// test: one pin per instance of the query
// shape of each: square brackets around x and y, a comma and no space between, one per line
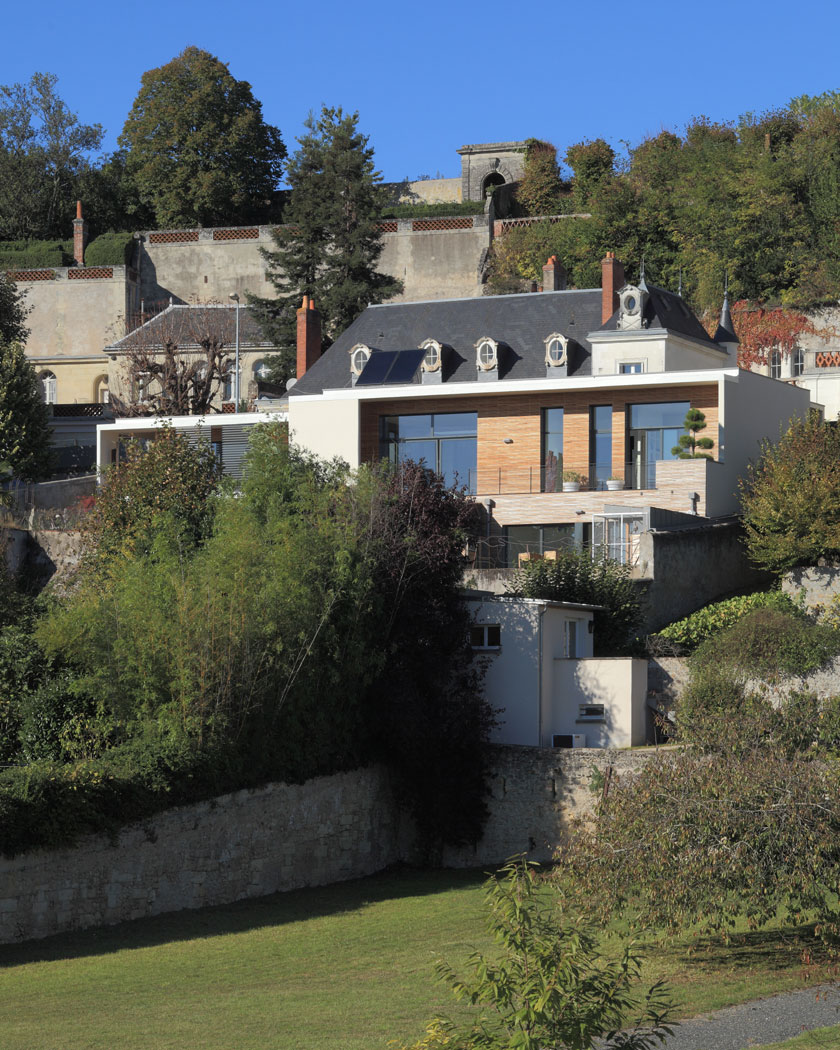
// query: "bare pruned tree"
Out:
[176,362]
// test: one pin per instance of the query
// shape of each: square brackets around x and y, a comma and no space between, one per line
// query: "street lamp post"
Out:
[235,298]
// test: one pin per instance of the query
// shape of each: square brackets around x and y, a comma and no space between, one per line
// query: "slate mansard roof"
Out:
[186,324]
[664,309]
[519,323]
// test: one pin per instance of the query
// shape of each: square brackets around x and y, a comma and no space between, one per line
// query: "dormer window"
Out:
[434,355]
[556,350]
[631,303]
[359,356]
[486,355]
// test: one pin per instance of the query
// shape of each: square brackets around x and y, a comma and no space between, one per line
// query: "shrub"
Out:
[432,211]
[550,984]
[791,498]
[577,577]
[35,255]
[767,643]
[719,616]
[110,249]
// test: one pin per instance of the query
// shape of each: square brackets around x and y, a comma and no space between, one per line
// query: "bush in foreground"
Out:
[549,985]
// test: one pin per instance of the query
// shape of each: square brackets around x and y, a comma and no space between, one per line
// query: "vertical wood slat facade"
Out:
[519,417]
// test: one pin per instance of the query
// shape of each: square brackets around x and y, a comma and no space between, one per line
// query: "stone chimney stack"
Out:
[612,279]
[80,230]
[554,276]
[308,336]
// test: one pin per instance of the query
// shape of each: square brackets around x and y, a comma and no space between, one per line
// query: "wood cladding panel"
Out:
[518,417]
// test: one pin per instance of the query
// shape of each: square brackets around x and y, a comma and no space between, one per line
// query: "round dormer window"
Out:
[432,360]
[359,356]
[556,350]
[631,301]
[487,354]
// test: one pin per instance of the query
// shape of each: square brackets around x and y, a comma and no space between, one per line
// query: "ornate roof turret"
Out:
[726,330]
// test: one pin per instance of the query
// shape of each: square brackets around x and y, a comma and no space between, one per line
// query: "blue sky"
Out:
[429,77]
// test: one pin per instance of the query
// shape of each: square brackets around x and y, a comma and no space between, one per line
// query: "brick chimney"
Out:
[308,336]
[79,236]
[612,279]
[554,276]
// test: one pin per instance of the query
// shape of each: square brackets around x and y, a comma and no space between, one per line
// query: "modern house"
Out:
[544,683]
[228,434]
[512,395]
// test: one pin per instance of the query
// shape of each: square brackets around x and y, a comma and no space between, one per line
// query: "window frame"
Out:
[487,646]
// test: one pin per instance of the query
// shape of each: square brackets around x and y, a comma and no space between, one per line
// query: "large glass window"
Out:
[775,361]
[600,446]
[445,442]
[552,450]
[526,541]
[798,361]
[653,432]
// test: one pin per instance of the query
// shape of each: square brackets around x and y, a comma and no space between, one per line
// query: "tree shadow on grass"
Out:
[276,909]
[776,949]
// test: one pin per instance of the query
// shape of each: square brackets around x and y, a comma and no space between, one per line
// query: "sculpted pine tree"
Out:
[198,148]
[330,245]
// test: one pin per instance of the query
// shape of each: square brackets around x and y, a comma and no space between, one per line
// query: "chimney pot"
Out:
[612,279]
[554,276]
[79,236]
[308,336]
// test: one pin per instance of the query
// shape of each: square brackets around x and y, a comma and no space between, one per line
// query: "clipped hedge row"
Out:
[431,211]
[35,255]
[720,616]
[110,249]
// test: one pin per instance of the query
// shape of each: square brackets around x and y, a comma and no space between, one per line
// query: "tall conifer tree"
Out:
[330,244]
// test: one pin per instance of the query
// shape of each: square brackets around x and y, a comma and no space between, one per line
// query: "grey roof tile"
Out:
[519,323]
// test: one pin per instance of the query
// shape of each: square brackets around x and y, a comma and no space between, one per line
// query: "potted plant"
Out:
[614,483]
[572,481]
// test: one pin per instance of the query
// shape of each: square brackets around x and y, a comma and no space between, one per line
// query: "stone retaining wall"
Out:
[283,837]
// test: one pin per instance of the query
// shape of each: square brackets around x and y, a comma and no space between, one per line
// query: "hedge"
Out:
[35,255]
[110,249]
[431,211]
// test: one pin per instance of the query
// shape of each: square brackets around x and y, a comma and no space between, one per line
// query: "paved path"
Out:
[762,1021]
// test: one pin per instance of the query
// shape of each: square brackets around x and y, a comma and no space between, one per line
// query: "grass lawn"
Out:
[344,967]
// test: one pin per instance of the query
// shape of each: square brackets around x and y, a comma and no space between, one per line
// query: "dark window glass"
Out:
[552,450]
[600,446]
[446,443]
[654,430]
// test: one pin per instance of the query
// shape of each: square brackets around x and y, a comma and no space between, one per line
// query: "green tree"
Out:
[44,150]
[791,498]
[549,984]
[25,436]
[577,577]
[331,243]
[197,146]
[742,823]
[541,190]
[169,485]
[13,313]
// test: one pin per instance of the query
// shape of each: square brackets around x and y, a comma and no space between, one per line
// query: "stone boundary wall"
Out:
[818,584]
[284,837]
[535,795]
[246,844]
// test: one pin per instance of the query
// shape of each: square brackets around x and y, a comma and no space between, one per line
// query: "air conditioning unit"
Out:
[579,740]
